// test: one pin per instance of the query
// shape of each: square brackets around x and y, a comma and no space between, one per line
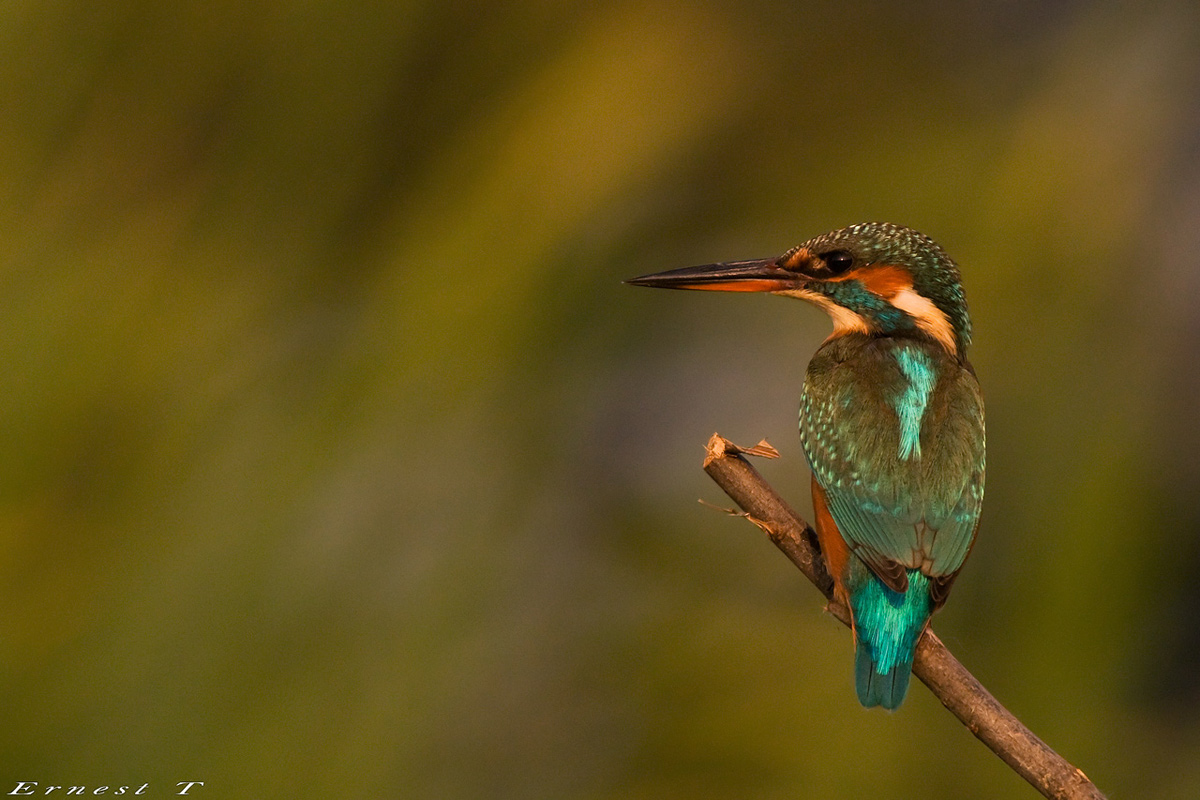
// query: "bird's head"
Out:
[874,278]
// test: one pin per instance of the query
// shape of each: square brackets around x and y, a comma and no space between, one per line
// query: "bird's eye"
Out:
[838,261]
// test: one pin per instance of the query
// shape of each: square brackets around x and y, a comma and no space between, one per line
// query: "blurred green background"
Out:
[338,462]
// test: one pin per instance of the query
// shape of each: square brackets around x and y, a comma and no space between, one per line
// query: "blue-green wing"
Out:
[897,506]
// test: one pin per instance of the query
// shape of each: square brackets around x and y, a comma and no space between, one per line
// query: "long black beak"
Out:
[761,275]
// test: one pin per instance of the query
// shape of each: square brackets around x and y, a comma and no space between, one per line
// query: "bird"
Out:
[891,424]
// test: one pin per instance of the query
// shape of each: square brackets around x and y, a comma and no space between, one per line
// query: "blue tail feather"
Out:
[880,689]
[887,625]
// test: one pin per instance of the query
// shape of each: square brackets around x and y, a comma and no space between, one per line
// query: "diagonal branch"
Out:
[954,686]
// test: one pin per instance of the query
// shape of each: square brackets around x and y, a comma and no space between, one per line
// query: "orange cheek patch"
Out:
[885,280]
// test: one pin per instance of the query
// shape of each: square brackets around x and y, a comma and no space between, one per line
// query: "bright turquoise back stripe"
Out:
[910,406]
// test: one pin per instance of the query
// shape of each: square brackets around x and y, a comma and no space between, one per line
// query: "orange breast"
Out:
[833,546]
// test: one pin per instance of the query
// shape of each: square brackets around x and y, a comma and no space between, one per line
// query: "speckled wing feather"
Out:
[899,504]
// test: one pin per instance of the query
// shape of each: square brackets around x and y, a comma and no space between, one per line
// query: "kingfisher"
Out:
[891,422]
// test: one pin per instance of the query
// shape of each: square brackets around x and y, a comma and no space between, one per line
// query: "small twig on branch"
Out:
[951,683]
